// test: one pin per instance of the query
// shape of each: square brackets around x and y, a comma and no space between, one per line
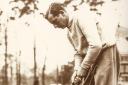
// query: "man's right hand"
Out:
[73,76]
[77,80]
[78,75]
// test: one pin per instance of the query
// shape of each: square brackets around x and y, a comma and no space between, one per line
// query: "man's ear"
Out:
[61,11]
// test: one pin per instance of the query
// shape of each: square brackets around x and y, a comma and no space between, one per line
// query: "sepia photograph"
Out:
[63,42]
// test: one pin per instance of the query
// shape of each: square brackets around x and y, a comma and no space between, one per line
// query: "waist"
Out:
[108,44]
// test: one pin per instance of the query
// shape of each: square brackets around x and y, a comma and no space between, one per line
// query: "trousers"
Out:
[106,70]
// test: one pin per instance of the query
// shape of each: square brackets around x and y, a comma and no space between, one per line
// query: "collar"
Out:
[70,20]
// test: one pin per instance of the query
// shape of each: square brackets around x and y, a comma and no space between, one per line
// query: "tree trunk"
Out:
[6,64]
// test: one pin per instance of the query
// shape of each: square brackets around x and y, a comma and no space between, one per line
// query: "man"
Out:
[94,64]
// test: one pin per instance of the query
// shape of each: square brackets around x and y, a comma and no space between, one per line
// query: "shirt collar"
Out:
[70,20]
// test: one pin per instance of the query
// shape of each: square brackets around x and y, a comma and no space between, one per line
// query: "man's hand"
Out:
[73,76]
[82,72]
[78,76]
[77,80]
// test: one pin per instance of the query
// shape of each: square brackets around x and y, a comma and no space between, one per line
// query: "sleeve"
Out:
[77,58]
[89,29]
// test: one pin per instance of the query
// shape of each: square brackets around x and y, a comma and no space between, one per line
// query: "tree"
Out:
[36,80]
[66,72]
[6,64]
[26,9]
[18,74]
[43,72]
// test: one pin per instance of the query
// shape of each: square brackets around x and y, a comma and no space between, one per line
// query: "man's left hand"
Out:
[77,80]
[79,76]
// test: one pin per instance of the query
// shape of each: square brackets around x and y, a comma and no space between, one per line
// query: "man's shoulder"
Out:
[84,14]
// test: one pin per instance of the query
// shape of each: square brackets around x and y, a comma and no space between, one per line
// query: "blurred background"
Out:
[32,52]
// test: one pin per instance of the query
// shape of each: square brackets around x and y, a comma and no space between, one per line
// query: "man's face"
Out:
[59,21]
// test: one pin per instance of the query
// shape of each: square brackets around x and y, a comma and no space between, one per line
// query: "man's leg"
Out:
[107,70]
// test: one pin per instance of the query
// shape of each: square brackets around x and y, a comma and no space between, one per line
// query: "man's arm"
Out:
[77,57]
[88,27]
